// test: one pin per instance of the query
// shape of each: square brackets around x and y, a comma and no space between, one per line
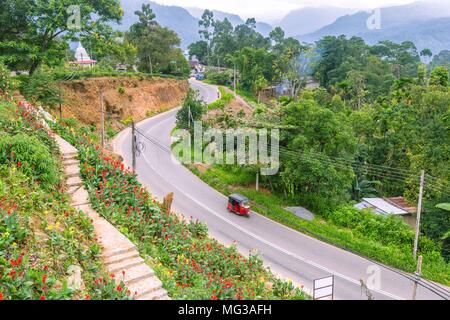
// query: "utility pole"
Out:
[417,277]
[133,146]
[102,119]
[60,104]
[234,80]
[419,212]
[257,180]
[189,116]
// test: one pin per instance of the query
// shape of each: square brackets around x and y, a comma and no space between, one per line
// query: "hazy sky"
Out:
[275,9]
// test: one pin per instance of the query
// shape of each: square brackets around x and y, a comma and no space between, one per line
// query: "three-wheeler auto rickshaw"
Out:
[238,204]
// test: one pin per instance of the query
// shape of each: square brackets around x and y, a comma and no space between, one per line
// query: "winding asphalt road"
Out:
[287,252]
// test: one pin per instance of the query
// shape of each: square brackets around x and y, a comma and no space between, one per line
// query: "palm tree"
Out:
[364,188]
[444,206]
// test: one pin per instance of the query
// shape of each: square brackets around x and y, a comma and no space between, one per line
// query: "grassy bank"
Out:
[225,98]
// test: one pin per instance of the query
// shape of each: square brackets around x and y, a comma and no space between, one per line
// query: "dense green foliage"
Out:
[380,117]
[320,135]
[156,46]
[385,239]
[5,81]
[259,61]
[31,31]
[439,77]
[32,156]
[41,88]
[192,110]
[442,59]
[225,98]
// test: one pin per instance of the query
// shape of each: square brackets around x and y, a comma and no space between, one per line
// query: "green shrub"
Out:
[192,110]
[223,78]
[32,157]
[41,88]
[225,98]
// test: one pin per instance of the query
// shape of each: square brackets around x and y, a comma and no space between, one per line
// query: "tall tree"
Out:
[30,29]
[206,31]
[157,47]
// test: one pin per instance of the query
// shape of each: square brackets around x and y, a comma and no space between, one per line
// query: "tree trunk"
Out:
[34,66]
[151,65]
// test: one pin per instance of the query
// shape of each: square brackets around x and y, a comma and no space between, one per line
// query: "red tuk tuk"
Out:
[238,204]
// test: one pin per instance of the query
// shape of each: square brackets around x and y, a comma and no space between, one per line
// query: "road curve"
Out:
[287,252]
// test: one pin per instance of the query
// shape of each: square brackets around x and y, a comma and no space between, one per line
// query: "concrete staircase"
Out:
[119,254]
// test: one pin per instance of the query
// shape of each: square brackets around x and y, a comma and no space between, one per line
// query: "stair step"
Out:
[135,274]
[73,189]
[125,265]
[118,252]
[144,286]
[160,294]
[71,171]
[121,257]
[74,181]
[71,162]
[70,156]
[80,197]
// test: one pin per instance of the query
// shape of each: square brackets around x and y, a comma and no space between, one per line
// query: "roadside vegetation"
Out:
[189,263]
[384,239]
[225,98]
[377,119]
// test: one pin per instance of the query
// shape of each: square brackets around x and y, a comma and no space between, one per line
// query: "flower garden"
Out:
[189,263]
[41,237]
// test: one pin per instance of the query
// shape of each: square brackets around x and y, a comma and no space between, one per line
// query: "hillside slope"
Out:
[124,98]
[311,19]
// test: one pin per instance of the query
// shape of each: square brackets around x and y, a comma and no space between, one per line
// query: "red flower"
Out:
[44,278]
[88,297]
[19,164]
[213,298]
[1,296]
[119,288]
[45,268]
[42,298]
[12,274]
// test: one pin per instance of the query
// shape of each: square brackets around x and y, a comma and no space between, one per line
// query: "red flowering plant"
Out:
[188,262]
[41,236]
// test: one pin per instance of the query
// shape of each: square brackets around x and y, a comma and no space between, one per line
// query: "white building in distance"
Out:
[82,58]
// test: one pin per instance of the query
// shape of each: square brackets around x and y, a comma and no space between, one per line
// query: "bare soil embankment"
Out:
[124,98]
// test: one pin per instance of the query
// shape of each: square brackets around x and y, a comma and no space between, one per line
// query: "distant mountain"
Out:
[310,19]
[233,18]
[425,24]
[261,27]
[183,21]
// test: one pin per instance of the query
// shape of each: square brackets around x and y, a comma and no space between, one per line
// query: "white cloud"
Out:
[274,9]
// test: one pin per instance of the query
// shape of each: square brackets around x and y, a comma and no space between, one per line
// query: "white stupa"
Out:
[82,57]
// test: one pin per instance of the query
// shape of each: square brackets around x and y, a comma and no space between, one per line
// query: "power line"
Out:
[438,290]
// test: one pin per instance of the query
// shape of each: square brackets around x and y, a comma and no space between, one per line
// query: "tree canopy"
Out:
[31,31]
